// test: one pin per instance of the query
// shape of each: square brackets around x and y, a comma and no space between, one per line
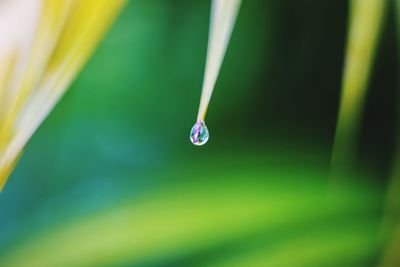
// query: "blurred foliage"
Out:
[366,19]
[217,217]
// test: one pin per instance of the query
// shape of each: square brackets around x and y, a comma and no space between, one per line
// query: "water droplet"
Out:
[199,134]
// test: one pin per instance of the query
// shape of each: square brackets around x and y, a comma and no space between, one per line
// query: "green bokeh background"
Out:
[257,193]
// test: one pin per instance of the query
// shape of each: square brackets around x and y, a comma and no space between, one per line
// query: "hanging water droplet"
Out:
[199,134]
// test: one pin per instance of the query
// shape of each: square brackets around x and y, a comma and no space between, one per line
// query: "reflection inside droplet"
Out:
[199,134]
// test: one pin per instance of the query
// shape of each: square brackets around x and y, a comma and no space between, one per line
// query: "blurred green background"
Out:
[111,178]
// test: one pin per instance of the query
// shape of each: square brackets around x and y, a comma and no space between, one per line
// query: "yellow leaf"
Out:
[42,55]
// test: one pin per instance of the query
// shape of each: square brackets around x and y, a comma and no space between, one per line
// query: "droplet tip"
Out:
[199,134]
